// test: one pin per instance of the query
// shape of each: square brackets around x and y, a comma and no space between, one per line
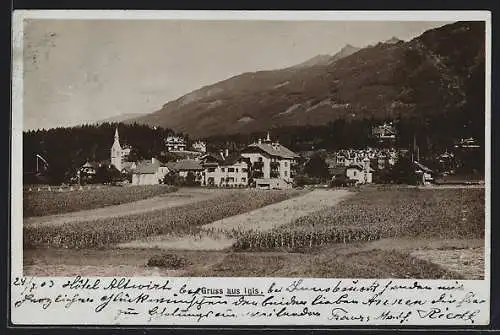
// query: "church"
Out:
[119,154]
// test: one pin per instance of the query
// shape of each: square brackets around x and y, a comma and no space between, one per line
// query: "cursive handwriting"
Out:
[299,301]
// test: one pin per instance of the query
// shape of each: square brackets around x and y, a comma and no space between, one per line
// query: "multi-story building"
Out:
[200,146]
[271,163]
[225,170]
[175,143]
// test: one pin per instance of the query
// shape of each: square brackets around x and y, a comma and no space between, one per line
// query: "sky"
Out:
[82,71]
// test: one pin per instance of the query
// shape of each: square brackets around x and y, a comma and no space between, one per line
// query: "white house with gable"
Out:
[271,163]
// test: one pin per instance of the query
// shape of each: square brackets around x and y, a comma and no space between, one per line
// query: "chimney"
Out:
[153,160]
[222,155]
[226,152]
[268,138]
[260,141]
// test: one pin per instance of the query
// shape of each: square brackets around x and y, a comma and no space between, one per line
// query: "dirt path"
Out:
[468,262]
[181,197]
[461,256]
[262,219]
[386,258]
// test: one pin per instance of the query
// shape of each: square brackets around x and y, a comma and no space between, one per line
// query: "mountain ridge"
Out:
[424,76]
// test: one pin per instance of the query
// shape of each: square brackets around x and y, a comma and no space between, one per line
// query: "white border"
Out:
[219,15]
[17,82]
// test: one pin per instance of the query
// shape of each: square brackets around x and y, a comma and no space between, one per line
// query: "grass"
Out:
[375,213]
[184,219]
[366,264]
[53,202]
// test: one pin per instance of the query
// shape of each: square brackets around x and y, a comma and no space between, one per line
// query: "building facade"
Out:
[225,171]
[149,172]
[361,174]
[175,143]
[270,161]
[200,146]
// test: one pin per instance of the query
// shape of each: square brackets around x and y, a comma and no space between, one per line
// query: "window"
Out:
[211,169]
[244,170]
[286,164]
[236,170]
[354,173]
[230,169]
[222,169]
[243,180]
[286,173]
[260,159]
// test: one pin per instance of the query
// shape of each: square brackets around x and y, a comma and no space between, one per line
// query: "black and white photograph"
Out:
[342,148]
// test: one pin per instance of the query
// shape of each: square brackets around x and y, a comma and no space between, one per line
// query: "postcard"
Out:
[232,168]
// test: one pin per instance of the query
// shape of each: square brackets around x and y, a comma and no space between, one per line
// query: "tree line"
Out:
[67,149]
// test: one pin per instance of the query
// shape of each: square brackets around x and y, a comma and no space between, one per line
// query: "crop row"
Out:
[48,202]
[184,219]
[378,213]
[300,240]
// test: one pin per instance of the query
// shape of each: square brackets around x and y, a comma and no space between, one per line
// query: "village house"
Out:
[149,172]
[184,166]
[424,174]
[175,143]
[385,133]
[380,158]
[225,170]
[199,146]
[271,163]
[362,174]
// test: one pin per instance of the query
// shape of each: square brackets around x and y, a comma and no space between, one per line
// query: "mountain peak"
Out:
[316,60]
[393,40]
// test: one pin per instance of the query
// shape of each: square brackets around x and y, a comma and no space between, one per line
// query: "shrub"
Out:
[167,260]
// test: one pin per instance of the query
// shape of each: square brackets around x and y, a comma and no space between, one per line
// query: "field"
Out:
[182,219]
[373,232]
[45,202]
[381,213]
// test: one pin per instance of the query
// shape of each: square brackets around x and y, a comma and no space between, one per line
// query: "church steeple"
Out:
[116,152]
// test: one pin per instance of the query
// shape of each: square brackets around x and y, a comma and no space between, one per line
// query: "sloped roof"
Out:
[147,167]
[276,150]
[90,165]
[422,167]
[185,165]
[211,157]
[234,159]
[127,166]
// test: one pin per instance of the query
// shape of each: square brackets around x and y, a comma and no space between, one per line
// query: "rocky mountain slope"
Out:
[436,73]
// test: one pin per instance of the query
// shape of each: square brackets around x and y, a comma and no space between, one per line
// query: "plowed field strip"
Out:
[212,236]
[179,198]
